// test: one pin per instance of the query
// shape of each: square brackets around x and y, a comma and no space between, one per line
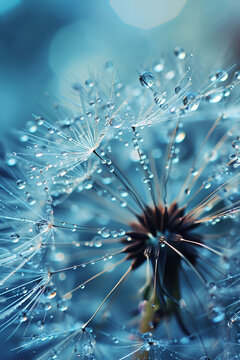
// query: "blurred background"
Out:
[45,45]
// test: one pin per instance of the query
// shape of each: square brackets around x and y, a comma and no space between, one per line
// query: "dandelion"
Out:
[129,249]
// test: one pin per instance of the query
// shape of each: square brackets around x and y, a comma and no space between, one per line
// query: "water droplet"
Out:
[146,79]
[38,153]
[61,305]
[104,232]
[89,83]
[217,314]
[184,340]
[180,137]
[170,75]
[179,53]
[62,172]
[214,96]
[190,101]
[207,185]
[237,75]
[236,143]
[22,317]
[14,237]
[47,306]
[109,65]
[23,138]
[51,295]
[32,128]
[158,66]
[39,120]
[123,193]
[42,225]
[53,356]
[220,75]
[116,121]
[21,184]
[10,160]
[177,89]
[160,98]
[31,200]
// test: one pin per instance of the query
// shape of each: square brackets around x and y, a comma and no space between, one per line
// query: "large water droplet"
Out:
[220,75]
[214,96]
[146,79]
[104,232]
[190,101]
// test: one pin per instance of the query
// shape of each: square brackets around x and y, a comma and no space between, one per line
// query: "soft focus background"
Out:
[45,44]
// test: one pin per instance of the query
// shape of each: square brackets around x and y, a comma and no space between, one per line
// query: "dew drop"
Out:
[190,101]
[89,83]
[217,314]
[23,138]
[47,306]
[61,305]
[42,225]
[220,75]
[31,200]
[207,185]
[109,65]
[11,161]
[39,120]
[105,233]
[14,237]
[146,79]
[184,340]
[180,137]
[214,96]
[177,89]
[62,172]
[158,66]
[22,317]
[237,75]
[32,128]
[179,53]
[51,295]
[21,184]
[38,153]
[160,98]
[123,193]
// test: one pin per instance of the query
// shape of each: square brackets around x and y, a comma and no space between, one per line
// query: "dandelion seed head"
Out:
[120,219]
